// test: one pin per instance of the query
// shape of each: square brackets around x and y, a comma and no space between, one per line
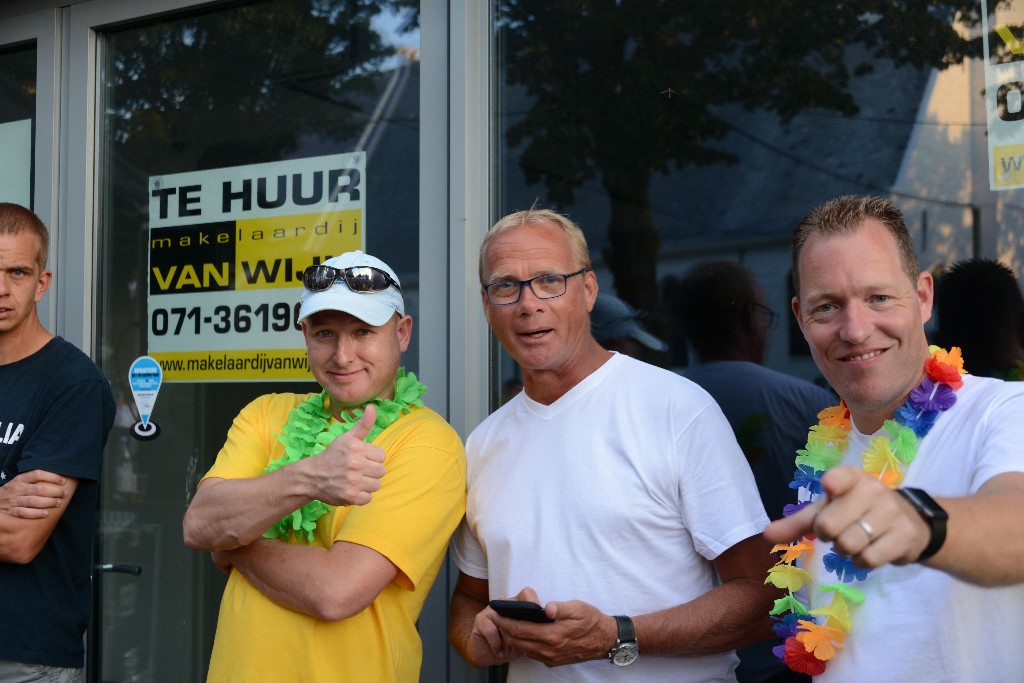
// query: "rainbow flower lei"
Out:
[309,431]
[813,637]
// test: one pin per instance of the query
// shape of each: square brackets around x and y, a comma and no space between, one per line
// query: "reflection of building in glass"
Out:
[918,136]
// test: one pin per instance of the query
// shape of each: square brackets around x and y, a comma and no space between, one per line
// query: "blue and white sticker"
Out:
[145,377]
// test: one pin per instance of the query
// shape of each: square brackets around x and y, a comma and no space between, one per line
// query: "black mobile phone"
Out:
[521,609]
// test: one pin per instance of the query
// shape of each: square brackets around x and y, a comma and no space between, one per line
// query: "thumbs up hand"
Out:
[349,470]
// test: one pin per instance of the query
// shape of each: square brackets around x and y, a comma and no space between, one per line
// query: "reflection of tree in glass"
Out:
[620,90]
[18,84]
[238,86]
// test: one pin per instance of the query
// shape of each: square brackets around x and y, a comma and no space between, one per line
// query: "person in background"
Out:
[56,410]
[905,560]
[609,489]
[724,317]
[981,310]
[722,311]
[616,326]
[331,512]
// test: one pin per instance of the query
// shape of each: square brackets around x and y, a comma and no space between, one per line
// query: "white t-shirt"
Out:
[920,624]
[620,494]
[770,413]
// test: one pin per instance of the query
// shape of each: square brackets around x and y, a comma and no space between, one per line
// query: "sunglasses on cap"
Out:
[360,279]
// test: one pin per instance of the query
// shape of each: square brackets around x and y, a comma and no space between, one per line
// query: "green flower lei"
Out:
[309,431]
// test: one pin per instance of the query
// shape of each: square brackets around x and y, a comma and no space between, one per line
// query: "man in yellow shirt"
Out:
[331,512]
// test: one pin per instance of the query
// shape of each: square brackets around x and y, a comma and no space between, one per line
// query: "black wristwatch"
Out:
[625,651]
[933,515]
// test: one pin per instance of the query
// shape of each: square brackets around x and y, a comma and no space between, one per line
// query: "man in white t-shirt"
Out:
[944,601]
[609,491]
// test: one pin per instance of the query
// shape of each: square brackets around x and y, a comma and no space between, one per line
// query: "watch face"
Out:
[626,654]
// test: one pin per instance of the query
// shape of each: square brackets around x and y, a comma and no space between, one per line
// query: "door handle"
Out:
[133,569]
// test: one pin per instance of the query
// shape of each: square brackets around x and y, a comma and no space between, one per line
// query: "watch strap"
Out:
[627,634]
[932,513]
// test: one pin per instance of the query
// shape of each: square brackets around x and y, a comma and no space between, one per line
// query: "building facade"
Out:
[188,156]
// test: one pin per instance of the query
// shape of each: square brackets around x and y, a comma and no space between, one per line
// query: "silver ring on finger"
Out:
[867,529]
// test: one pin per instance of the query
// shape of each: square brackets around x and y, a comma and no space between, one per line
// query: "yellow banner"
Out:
[227,249]
[272,252]
[1009,166]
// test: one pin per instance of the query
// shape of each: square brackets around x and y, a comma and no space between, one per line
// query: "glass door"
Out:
[224,132]
[28,98]
[17,119]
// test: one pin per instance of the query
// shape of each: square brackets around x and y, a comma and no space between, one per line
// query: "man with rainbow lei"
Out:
[904,554]
[331,512]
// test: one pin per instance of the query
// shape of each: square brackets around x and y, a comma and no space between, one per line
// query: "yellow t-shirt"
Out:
[409,521]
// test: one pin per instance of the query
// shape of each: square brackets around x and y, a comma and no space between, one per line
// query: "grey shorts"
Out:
[18,672]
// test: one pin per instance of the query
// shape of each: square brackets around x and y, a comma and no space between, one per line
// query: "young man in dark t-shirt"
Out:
[56,409]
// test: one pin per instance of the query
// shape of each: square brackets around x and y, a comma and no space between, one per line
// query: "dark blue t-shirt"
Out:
[56,409]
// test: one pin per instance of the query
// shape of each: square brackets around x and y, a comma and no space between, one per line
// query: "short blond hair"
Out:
[535,217]
[16,219]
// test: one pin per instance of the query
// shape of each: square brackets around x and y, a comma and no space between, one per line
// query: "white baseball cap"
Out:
[374,308]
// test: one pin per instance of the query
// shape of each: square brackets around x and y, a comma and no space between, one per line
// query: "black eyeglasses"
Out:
[769,313]
[550,286]
[360,279]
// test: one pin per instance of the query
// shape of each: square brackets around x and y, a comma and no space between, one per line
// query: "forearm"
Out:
[325,584]
[728,617]
[228,513]
[22,539]
[264,564]
[464,609]
[985,540]
[470,630]
[22,536]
